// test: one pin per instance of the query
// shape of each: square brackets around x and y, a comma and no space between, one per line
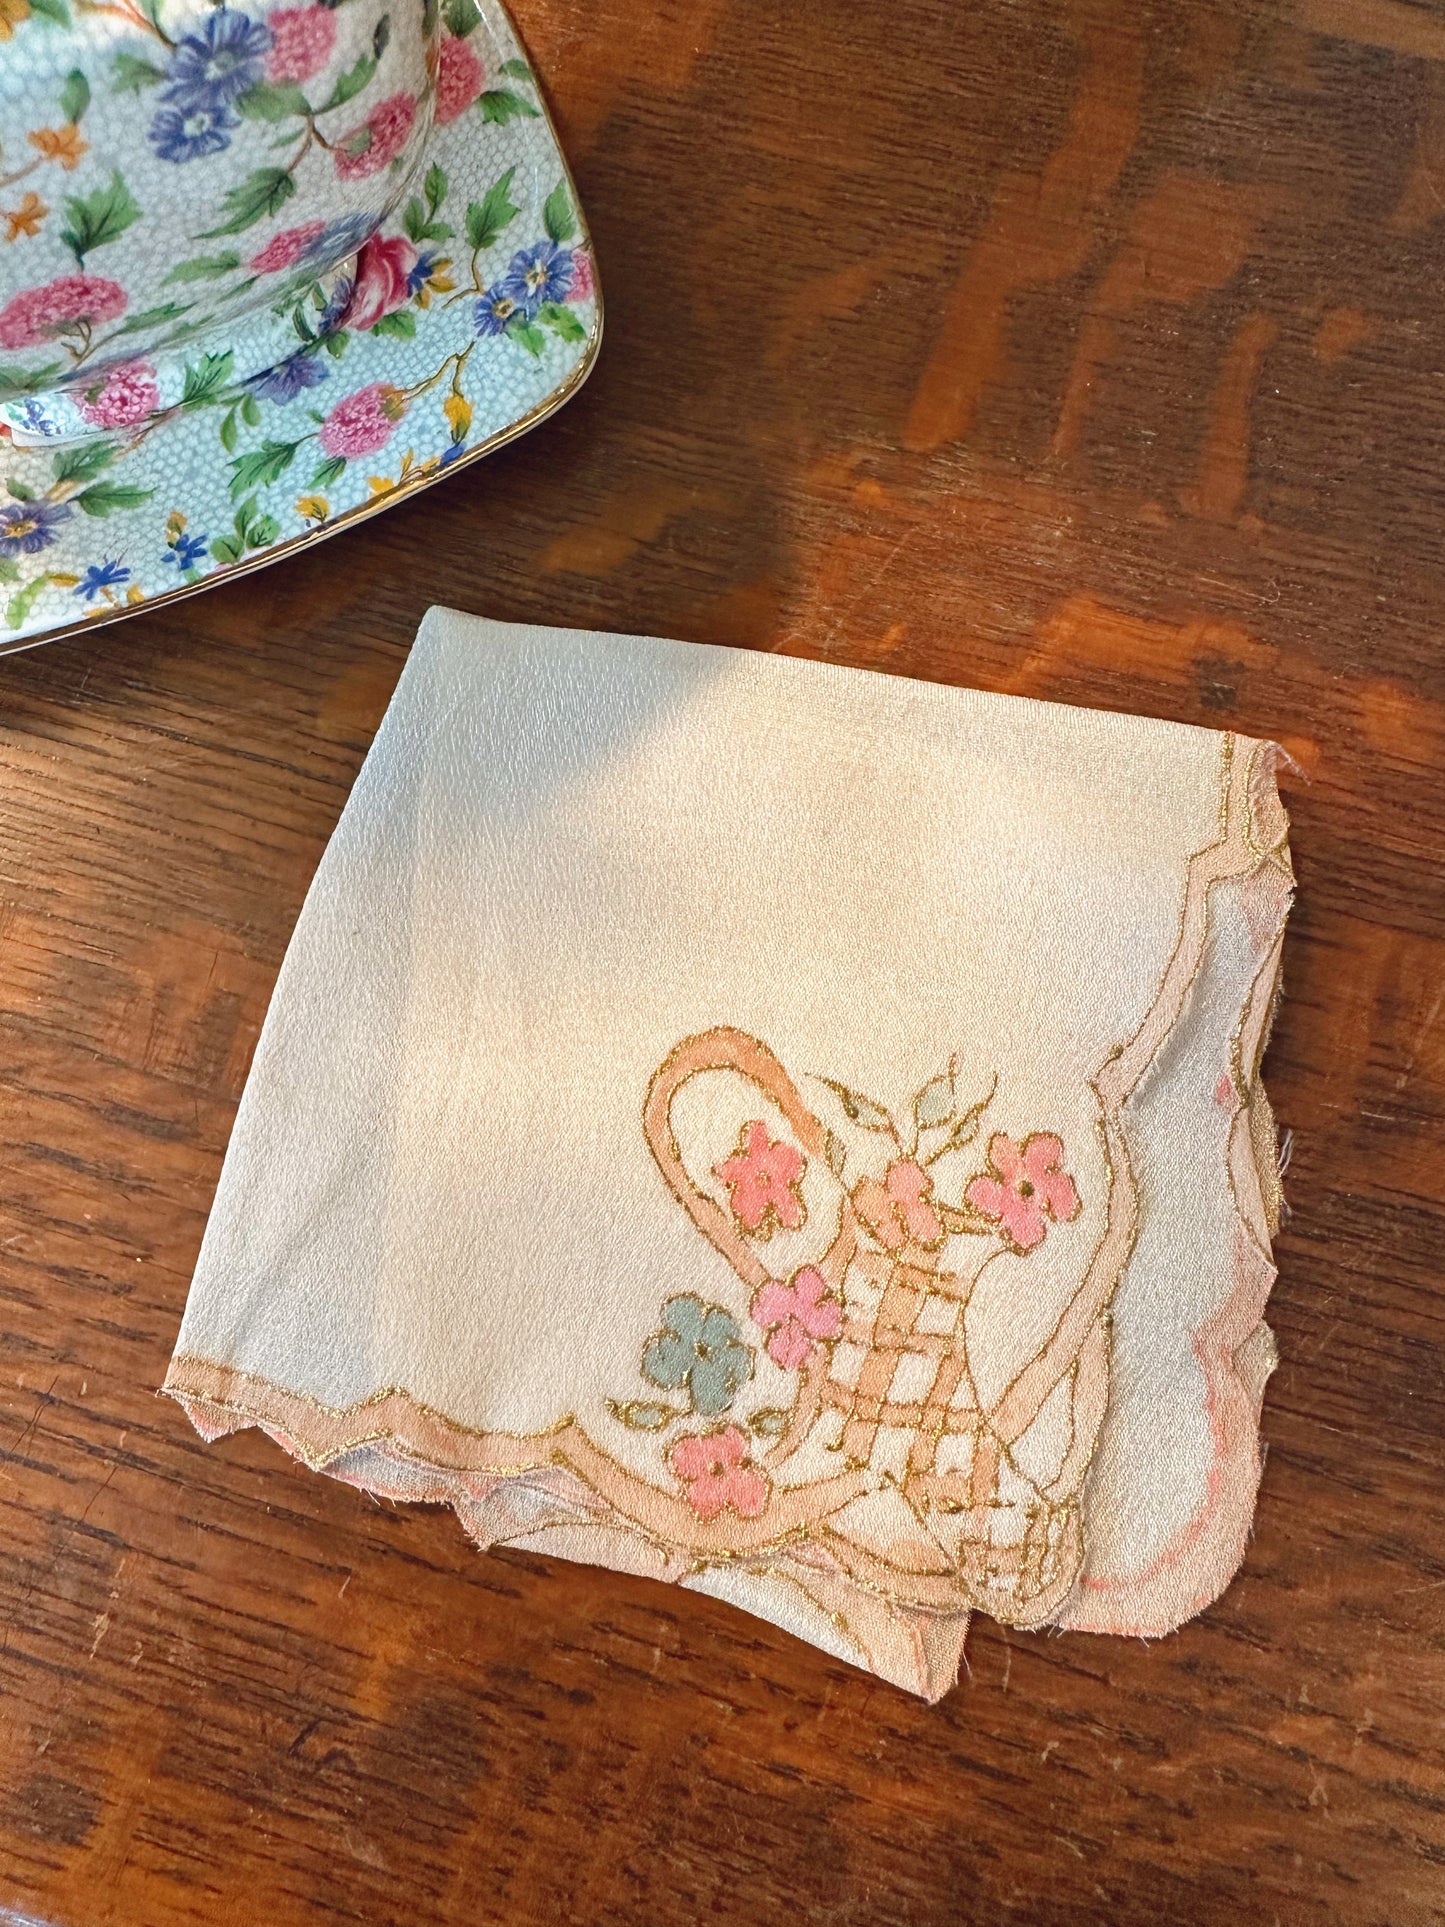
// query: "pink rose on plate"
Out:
[378,140]
[459,79]
[381,281]
[713,1466]
[796,1315]
[69,305]
[584,277]
[126,396]
[285,249]
[302,39]
[362,423]
[1023,1186]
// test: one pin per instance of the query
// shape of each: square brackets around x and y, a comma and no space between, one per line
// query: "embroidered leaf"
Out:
[557,216]
[461,16]
[561,321]
[486,219]
[933,1106]
[500,104]
[517,69]
[265,191]
[401,324]
[264,465]
[97,218]
[202,267]
[641,1417]
[129,74]
[965,1127]
[836,1152]
[329,471]
[26,381]
[863,1111]
[74,95]
[206,378]
[104,498]
[267,101]
[84,462]
[770,1423]
[351,83]
[527,334]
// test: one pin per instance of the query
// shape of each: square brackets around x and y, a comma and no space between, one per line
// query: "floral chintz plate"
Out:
[469,315]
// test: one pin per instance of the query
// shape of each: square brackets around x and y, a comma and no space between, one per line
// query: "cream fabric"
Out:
[782,1129]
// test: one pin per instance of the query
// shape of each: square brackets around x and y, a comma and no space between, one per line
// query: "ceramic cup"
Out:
[184,188]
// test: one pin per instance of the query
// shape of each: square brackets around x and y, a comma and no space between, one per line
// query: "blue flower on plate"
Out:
[185,551]
[102,575]
[537,275]
[340,238]
[189,131]
[28,527]
[214,67]
[496,309]
[337,302]
[288,378]
[421,270]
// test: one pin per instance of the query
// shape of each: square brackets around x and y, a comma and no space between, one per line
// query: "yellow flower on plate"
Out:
[12,12]
[313,508]
[24,219]
[61,144]
[458,411]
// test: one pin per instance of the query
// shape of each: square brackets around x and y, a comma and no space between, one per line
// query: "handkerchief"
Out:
[790,1131]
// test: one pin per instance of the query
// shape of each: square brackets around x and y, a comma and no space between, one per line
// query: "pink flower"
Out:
[362,423]
[1026,1185]
[301,42]
[381,272]
[795,1314]
[285,249]
[459,80]
[584,279]
[377,141]
[898,1211]
[712,1465]
[72,302]
[125,396]
[762,1177]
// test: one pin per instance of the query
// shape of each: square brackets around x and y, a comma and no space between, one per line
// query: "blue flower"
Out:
[422,270]
[537,275]
[495,309]
[28,527]
[190,131]
[451,452]
[340,238]
[185,551]
[214,67]
[288,378]
[107,574]
[337,302]
[700,1346]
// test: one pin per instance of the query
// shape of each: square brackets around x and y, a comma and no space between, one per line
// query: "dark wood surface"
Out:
[1094,350]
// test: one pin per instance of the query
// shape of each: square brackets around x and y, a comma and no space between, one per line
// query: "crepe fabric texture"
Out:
[784,1130]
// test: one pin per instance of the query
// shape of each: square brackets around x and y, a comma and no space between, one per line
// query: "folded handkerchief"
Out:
[785,1130]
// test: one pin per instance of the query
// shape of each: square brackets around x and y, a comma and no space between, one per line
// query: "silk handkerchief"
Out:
[785,1130]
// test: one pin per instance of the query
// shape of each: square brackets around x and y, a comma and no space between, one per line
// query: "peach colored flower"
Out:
[362,423]
[898,1211]
[713,1466]
[26,218]
[126,395]
[796,1314]
[762,1177]
[459,79]
[285,249]
[61,144]
[378,140]
[584,276]
[73,301]
[1023,1186]
[302,39]
[381,281]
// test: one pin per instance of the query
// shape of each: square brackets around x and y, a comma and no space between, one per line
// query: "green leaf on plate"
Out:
[401,324]
[94,219]
[557,216]
[351,83]
[500,104]
[129,74]
[434,187]
[328,471]
[203,267]
[20,605]
[9,569]
[104,498]
[526,334]
[561,321]
[229,431]
[264,465]
[153,317]
[22,491]
[488,218]
[74,95]
[55,10]
[83,462]
[269,101]
[26,381]
[206,378]
[265,191]
[250,411]
[461,17]
[517,69]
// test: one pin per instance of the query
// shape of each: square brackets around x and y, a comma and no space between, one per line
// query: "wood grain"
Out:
[1085,348]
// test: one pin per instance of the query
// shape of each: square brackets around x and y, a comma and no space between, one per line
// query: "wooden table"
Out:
[1090,349]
